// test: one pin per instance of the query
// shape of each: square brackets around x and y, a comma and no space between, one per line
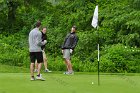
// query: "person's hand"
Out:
[62,51]
[45,41]
[71,51]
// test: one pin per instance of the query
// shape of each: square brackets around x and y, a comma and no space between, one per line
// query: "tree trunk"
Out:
[12,6]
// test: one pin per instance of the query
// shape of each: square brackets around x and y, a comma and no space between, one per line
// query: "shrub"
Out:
[120,58]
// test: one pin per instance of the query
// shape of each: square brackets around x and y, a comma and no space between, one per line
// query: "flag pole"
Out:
[95,25]
[98,58]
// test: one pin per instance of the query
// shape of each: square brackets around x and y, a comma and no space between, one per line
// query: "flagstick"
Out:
[95,25]
[98,59]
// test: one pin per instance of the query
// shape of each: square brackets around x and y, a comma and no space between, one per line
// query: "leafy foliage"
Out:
[118,28]
[120,58]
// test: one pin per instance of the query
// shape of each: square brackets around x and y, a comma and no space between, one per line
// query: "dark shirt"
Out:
[44,37]
[70,41]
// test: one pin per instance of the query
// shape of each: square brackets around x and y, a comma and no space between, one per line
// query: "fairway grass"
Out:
[78,83]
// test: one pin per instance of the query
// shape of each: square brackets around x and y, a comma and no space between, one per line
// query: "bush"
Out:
[14,50]
[120,58]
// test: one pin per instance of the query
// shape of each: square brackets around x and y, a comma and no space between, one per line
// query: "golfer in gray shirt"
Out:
[35,43]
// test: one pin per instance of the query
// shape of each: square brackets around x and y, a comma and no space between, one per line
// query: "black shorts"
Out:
[36,56]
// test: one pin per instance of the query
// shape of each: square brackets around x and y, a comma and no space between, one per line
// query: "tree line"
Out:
[118,32]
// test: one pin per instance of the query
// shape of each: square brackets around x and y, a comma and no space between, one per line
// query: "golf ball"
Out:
[92,82]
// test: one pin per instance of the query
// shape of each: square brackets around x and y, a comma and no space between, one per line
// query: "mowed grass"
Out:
[56,82]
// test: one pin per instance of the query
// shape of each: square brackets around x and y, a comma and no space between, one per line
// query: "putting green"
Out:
[78,83]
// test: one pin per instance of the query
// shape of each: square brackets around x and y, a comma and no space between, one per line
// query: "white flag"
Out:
[95,18]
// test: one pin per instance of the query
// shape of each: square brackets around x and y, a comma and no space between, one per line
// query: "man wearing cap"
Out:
[68,46]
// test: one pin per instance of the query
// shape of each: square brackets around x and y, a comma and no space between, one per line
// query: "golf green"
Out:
[77,83]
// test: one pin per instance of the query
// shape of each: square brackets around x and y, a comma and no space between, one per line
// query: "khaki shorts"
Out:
[66,53]
[44,54]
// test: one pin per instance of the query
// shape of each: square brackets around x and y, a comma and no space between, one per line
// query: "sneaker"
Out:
[47,70]
[72,73]
[69,73]
[40,78]
[66,72]
[33,79]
